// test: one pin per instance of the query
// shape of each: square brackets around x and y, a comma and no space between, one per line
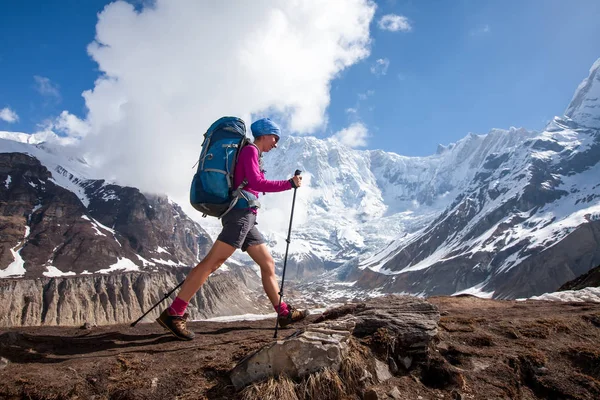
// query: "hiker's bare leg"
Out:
[260,254]
[218,254]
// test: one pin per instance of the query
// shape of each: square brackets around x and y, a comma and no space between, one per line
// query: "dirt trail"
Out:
[487,349]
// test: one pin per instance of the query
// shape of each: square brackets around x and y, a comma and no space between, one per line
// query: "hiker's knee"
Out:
[216,264]
[268,267]
[211,264]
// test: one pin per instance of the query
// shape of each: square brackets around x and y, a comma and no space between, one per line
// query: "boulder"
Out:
[402,325]
[320,346]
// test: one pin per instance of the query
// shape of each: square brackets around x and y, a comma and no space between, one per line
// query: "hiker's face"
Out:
[269,142]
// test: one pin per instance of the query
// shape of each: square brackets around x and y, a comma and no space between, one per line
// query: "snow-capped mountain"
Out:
[57,222]
[585,105]
[357,202]
[528,221]
[75,250]
[511,213]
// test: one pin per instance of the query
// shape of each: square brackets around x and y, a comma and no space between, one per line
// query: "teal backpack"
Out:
[212,191]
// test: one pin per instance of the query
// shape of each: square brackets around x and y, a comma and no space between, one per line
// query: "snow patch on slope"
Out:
[53,272]
[591,294]
[122,264]
[15,269]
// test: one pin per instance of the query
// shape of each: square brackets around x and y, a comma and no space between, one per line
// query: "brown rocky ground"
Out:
[486,350]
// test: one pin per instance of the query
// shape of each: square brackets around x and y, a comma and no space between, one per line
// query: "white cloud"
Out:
[481,30]
[170,70]
[366,95]
[69,125]
[353,136]
[354,112]
[395,23]
[8,115]
[380,67]
[46,87]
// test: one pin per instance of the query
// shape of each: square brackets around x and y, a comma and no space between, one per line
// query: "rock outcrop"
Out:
[121,298]
[399,329]
[320,346]
[589,279]
[403,326]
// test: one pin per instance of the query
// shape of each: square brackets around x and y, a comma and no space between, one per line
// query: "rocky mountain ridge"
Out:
[49,231]
[589,279]
[101,258]
[528,222]
[118,298]
[512,213]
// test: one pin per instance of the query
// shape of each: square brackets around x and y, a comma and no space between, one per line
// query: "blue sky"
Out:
[463,66]
[46,39]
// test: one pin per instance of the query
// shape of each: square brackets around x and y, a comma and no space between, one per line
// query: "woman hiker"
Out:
[239,231]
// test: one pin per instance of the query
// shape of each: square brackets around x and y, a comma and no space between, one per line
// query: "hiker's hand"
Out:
[296,181]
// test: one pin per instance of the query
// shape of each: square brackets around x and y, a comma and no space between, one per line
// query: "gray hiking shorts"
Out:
[239,229]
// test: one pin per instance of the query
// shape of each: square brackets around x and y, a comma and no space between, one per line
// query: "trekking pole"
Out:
[156,305]
[298,172]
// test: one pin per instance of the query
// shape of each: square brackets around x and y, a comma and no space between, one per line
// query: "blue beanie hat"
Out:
[263,127]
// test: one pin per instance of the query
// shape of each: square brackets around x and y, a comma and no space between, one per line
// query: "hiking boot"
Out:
[293,315]
[175,324]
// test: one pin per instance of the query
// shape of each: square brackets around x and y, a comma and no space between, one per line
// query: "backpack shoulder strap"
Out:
[260,159]
[252,144]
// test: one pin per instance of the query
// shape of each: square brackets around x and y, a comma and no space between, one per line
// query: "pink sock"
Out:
[283,310]
[178,307]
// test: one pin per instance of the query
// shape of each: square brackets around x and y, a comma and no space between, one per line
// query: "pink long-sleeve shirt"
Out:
[247,168]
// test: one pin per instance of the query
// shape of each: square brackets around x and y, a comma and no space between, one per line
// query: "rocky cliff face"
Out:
[97,252]
[48,231]
[103,299]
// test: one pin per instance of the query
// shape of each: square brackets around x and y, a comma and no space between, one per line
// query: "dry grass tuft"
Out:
[352,370]
[384,341]
[282,388]
[324,385]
